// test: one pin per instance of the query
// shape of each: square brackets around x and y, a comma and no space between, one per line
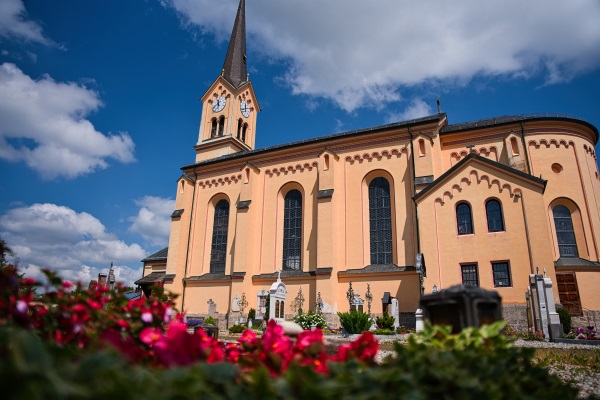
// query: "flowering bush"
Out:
[150,332]
[580,333]
[310,319]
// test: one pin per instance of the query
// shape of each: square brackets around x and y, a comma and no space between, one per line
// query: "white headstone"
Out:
[395,313]
[235,304]
[278,293]
[420,324]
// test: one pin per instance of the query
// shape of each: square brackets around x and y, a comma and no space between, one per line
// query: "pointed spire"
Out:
[234,68]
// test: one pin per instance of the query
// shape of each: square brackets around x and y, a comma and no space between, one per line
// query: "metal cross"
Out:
[470,147]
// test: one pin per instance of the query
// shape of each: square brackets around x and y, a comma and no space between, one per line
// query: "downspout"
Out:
[520,195]
[525,148]
[187,252]
[412,154]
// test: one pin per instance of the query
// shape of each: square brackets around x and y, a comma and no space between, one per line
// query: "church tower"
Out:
[229,106]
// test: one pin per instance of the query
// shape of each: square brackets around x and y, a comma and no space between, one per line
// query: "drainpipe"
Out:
[412,154]
[520,196]
[187,253]
[525,148]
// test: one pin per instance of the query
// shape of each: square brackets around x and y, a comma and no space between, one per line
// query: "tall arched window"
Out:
[244,128]
[218,250]
[565,234]
[380,221]
[464,221]
[493,210]
[221,125]
[213,130]
[292,230]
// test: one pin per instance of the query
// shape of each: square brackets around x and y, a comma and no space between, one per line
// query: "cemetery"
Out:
[69,342]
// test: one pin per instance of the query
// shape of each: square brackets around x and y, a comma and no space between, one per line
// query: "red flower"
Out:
[150,335]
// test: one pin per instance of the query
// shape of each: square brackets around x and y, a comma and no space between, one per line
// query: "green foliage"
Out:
[383,332]
[267,307]
[237,328]
[252,314]
[385,322]
[475,364]
[210,320]
[565,319]
[355,321]
[310,319]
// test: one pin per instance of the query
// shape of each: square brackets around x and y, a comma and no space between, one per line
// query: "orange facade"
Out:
[487,203]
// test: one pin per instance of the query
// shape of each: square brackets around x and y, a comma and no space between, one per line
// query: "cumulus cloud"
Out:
[14,23]
[361,54]
[153,221]
[76,245]
[416,109]
[44,125]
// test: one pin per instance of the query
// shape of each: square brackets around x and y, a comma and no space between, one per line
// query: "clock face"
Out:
[219,104]
[244,108]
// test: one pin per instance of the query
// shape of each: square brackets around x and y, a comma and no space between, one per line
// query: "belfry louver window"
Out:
[218,250]
[292,231]
[380,221]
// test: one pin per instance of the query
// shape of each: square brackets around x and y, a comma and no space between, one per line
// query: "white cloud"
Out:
[14,23]
[153,221]
[74,244]
[44,125]
[417,109]
[362,53]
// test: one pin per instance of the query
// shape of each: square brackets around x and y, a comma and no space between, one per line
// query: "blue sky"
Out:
[99,101]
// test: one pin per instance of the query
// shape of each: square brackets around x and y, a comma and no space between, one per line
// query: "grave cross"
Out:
[279,275]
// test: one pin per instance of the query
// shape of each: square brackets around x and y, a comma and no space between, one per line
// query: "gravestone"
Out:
[395,313]
[261,300]
[235,304]
[212,308]
[278,293]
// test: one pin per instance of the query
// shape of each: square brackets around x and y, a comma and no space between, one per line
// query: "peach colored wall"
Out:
[336,232]
[588,283]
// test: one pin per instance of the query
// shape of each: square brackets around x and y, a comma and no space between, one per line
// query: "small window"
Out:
[247,175]
[326,162]
[493,211]
[514,146]
[464,221]
[469,275]
[181,185]
[239,129]
[501,272]
[421,147]
[277,309]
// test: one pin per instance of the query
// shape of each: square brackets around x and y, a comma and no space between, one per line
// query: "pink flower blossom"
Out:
[22,306]
[147,317]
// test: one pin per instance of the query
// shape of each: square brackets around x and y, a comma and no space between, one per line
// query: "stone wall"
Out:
[589,318]
[516,316]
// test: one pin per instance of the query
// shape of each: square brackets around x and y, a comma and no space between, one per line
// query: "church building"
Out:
[483,203]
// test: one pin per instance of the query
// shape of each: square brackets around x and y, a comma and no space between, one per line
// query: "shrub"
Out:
[565,319]
[210,320]
[385,322]
[355,322]
[252,314]
[310,319]
[383,332]
[237,328]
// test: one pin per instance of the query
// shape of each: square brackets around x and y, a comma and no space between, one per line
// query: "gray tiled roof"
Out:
[234,68]
[160,255]
[575,262]
[377,268]
[151,278]
[509,119]
[242,154]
